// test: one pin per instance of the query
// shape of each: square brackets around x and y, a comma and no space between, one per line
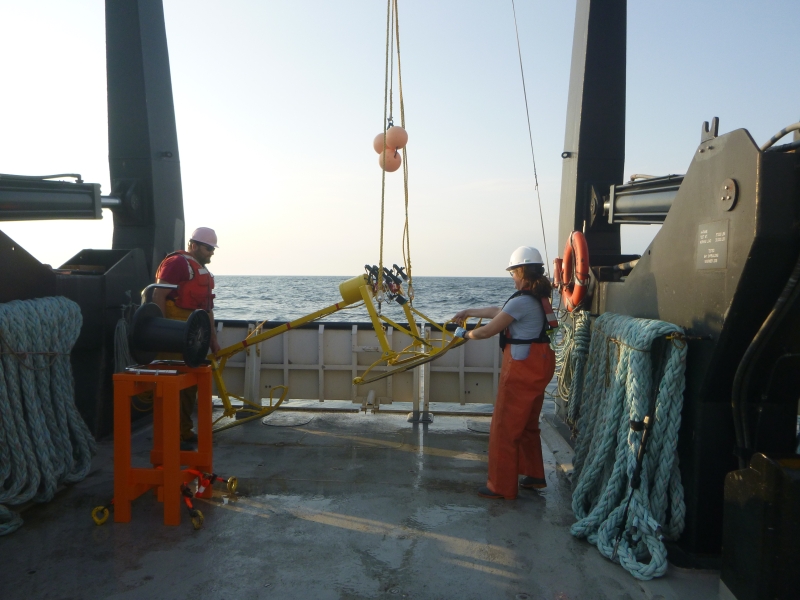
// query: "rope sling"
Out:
[625,509]
[44,442]
[392,46]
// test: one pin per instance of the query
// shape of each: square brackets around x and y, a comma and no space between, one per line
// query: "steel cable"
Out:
[530,137]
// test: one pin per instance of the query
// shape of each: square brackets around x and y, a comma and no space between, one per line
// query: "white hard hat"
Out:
[204,235]
[524,255]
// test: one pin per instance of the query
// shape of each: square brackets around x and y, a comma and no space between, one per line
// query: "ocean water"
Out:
[284,298]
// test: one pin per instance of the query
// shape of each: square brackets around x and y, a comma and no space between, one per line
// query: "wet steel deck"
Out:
[343,506]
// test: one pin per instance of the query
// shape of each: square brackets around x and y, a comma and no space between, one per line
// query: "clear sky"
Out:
[277,103]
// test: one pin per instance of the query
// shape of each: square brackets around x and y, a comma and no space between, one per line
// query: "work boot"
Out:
[189,437]
[485,492]
[532,483]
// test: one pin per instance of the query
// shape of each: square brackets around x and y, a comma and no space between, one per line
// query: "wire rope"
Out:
[530,137]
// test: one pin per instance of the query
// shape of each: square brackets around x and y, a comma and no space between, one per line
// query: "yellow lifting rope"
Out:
[375,286]
[392,48]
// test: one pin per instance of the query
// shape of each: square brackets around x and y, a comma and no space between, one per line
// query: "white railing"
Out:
[319,362]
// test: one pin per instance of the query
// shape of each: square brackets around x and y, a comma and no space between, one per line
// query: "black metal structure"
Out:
[717,269]
[761,541]
[35,198]
[143,156]
[594,142]
[151,334]
[146,200]
[725,266]
[644,202]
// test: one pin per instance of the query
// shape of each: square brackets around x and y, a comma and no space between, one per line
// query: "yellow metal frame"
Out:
[220,359]
[419,352]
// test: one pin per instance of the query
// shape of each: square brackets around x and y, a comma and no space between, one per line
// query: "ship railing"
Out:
[320,360]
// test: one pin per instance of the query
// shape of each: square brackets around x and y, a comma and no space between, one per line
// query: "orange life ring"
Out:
[573,289]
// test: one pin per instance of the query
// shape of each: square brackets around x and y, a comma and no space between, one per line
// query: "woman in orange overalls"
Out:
[515,447]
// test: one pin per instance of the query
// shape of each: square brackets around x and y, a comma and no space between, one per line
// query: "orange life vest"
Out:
[197,292]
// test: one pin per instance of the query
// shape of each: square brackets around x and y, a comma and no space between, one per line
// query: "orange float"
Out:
[378,143]
[390,160]
[574,271]
[396,137]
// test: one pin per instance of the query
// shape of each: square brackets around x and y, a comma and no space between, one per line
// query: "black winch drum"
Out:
[151,333]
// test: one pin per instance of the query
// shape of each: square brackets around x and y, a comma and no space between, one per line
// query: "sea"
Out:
[285,298]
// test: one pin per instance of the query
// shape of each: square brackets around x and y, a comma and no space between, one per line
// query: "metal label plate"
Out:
[712,245]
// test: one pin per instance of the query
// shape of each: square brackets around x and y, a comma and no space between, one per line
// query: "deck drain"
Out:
[522,596]
[482,426]
[280,419]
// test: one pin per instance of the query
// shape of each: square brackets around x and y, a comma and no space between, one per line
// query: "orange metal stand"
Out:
[166,476]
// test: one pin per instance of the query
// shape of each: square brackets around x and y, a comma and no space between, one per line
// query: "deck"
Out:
[330,505]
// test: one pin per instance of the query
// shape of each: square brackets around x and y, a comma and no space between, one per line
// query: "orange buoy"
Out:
[378,144]
[575,270]
[390,160]
[396,137]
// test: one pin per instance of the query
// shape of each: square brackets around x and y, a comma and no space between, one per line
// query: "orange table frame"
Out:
[166,475]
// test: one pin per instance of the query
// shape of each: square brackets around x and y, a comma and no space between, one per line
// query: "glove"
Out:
[460,332]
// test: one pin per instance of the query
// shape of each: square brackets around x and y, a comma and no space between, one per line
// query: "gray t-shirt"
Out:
[528,322]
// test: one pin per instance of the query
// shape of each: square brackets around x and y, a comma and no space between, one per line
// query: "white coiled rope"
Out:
[571,354]
[618,389]
[44,441]
[122,352]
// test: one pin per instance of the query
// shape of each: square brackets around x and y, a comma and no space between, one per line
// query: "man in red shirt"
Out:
[187,270]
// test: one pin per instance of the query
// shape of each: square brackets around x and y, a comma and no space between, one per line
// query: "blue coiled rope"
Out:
[618,389]
[44,441]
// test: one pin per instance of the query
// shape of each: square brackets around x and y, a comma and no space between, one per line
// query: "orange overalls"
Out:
[515,447]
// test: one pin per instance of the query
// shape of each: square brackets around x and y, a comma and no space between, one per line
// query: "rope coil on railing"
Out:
[624,509]
[44,441]
[571,354]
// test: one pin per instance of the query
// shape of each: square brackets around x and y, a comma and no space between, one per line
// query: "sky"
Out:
[277,103]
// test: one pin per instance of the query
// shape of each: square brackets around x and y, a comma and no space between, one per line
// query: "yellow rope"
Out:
[406,242]
[379,292]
